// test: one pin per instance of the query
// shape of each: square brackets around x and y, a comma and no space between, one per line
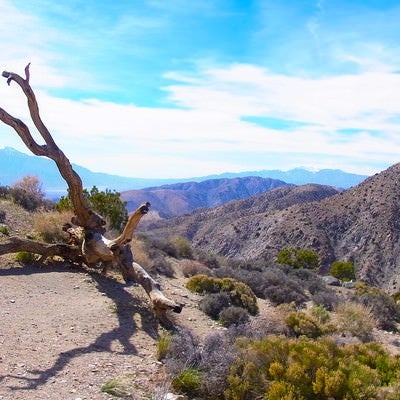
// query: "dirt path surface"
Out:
[64,334]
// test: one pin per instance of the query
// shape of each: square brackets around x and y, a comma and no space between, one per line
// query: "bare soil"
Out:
[66,333]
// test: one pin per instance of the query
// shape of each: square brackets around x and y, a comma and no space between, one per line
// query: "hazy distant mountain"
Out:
[300,176]
[180,198]
[14,165]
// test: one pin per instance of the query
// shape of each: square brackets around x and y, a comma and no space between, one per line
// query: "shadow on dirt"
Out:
[127,305]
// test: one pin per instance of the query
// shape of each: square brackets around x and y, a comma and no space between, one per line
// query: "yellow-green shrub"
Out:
[240,294]
[25,257]
[305,324]
[279,368]
[188,382]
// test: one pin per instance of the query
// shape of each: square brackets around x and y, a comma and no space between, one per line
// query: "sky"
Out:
[178,89]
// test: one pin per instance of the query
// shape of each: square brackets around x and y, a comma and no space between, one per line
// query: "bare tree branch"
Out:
[87,241]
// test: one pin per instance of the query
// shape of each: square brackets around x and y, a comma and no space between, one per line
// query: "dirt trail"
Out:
[64,334]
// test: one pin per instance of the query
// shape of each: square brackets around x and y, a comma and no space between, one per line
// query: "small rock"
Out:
[172,396]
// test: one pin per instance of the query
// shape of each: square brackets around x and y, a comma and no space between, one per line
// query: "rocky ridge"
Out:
[360,224]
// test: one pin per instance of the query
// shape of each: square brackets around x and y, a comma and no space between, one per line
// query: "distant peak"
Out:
[9,149]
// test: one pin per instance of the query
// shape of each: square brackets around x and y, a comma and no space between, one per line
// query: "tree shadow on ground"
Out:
[127,305]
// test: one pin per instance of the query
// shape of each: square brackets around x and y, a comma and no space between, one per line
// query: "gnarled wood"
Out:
[87,243]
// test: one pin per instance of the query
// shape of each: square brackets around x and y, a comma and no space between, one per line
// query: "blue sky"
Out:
[176,89]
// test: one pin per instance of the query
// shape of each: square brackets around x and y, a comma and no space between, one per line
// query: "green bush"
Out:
[187,382]
[25,257]
[298,258]
[239,293]
[320,313]
[343,270]
[4,230]
[301,323]
[277,368]
[107,203]
[163,346]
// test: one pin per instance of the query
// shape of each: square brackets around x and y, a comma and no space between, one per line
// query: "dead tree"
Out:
[90,246]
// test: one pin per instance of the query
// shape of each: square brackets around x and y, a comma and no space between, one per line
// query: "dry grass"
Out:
[49,224]
[355,319]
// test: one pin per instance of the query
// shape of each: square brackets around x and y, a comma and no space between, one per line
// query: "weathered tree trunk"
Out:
[90,246]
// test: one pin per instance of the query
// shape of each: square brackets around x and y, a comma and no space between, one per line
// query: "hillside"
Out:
[360,224]
[181,198]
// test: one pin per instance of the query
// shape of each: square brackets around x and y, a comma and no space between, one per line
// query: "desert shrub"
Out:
[193,267]
[156,244]
[25,199]
[396,297]
[163,344]
[141,254]
[239,293]
[383,307]
[213,303]
[217,355]
[320,313]
[326,298]
[4,192]
[188,382]
[2,215]
[107,203]
[183,352]
[208,259]
[362,288]
[285,294]
[355,319]
[25,257]
[183,247]
[301,323]
[4,230]
[298,258]
[233,316]
[28,193]
[162,266]
[271,283]
[280,368]
[119,387]
[343,270]
[49,225]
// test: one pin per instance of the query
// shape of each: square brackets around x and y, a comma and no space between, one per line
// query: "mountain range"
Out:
[14,165]
[181,198]
[360,224]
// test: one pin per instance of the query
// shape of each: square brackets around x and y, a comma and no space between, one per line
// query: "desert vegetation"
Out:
[318,344]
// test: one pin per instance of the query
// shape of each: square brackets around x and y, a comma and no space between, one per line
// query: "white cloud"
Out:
[209,135]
